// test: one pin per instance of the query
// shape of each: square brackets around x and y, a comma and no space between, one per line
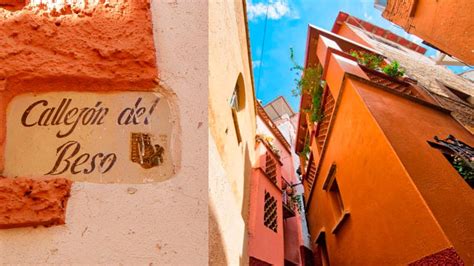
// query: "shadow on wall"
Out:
[246,203]
[217,254]
[217,246]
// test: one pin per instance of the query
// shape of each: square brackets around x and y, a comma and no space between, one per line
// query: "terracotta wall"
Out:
[448,25]
[100,49]
[389,222]
[113,48]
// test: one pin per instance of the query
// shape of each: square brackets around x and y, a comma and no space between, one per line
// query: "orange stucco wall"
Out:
[389,221]
[345,31]
[109,47]
[408,126]
[447,25]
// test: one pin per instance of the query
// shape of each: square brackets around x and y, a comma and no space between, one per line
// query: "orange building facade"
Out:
[446,25]
[377,190]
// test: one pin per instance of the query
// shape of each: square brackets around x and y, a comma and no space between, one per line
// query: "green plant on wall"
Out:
[298,201]
[394,70]
[306,150]
[376,62]
[370,60]
[309,81]
[463,168]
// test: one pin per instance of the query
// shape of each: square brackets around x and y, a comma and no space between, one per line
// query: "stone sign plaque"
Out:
[120,137]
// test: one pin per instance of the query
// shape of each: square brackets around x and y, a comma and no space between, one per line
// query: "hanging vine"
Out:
[308,81]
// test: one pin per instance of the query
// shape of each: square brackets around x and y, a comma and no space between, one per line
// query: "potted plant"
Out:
[376,62]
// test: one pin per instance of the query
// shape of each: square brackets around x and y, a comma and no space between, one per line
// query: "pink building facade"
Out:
[277,235]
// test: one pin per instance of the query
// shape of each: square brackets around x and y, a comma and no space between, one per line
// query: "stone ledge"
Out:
[33,202]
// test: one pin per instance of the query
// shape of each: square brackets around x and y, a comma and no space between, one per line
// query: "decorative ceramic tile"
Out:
[96,137]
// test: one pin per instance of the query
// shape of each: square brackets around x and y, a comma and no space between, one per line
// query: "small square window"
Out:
[336,198]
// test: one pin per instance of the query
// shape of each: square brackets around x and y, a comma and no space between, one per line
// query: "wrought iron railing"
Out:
[459,154]
[289,204]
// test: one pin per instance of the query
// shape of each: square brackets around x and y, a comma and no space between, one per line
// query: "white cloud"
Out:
[367,16]
[276,9]
[256,63]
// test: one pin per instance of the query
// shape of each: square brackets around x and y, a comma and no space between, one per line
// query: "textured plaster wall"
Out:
[33,202]
[107,48]
[230,163]
[160,223]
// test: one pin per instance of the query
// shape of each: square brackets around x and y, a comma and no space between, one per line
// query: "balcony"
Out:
[289,204]
[459,154]
[395,84]
[269,160]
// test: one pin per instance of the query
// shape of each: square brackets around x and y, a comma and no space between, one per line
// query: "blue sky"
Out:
[287,25]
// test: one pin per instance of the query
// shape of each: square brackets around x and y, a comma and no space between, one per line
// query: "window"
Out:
[321,254]
[236,126]
[332,187]
[237,103]
[234,99]
[335,198]
[237,100]
[270,218]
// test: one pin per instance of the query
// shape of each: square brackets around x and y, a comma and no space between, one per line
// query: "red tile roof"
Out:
[367,26]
